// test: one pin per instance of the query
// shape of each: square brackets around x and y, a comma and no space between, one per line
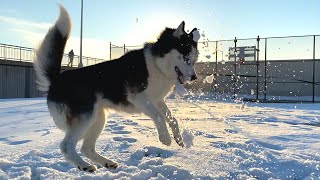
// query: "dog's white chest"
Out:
[158,88]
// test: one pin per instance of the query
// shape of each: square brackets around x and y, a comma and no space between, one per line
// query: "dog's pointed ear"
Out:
[179,31]
[194,29]
[191,33]
[195,35]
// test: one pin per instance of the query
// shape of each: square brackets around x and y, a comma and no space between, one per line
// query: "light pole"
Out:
[80,63]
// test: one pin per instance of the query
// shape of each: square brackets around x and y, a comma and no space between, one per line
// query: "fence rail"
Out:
[25,54]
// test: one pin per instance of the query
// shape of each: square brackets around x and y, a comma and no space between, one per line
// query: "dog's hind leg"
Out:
[68,146]
[89,141]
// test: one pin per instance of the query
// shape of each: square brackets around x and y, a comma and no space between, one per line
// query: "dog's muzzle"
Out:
[194,77]
[179,75]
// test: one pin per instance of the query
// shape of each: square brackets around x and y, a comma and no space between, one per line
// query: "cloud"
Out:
[24,23]
[32,33]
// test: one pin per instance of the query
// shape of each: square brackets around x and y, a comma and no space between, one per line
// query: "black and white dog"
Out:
[137,82]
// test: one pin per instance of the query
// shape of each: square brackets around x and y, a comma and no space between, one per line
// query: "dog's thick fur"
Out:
[137,82]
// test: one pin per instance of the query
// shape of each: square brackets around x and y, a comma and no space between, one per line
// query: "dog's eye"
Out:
[184,48]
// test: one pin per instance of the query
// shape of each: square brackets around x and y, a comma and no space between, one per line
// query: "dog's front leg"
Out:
[145,105]
[172,121]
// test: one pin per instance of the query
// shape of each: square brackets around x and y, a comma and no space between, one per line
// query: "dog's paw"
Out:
[179,140]
[111,165]
[180,143]
[88,168]
[165,139]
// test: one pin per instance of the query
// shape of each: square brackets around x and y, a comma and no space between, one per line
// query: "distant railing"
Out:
[25,54]
[118,51]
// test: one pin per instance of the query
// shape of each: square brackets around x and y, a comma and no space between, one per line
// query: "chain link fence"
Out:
[272,69]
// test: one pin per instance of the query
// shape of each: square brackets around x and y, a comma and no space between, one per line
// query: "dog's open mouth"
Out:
[179,75]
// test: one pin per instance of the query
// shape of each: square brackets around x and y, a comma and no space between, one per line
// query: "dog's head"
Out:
[178,53]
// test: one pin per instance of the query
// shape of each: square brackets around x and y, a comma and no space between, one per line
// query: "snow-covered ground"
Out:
[231,140]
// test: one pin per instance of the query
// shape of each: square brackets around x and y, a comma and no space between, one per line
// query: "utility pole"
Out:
[80,63]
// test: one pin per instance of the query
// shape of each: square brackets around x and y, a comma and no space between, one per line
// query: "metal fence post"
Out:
[313,68]
[235,68]
[216,68]
[257,67]
[124,48]
[20,53]
[110,50]
[4,52]
[265,70]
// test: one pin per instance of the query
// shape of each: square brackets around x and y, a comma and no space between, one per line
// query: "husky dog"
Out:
[137,82]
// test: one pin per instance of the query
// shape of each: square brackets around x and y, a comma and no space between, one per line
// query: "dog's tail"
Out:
[49,55]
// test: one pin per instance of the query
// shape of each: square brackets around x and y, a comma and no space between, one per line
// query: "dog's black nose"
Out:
[193,77]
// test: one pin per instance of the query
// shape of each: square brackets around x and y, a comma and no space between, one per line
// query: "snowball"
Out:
[187,138]
[179,90]
[209,79]
[252,92]
[196,35]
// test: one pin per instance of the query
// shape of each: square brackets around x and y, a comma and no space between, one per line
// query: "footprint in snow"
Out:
[129,122]
[231,131]
[152,152]
[9,142]
[116,127]
[130,140]
[201,133]
[265,145]
[121,132]
[46,131]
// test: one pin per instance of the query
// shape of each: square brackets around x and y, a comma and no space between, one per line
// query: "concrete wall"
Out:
[17,80]
[284,78]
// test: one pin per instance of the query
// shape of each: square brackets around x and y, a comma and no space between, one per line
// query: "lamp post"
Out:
[80,63]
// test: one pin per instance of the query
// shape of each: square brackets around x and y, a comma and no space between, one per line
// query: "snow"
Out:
[231,140]
[179,90]
[209,79]
[187,137]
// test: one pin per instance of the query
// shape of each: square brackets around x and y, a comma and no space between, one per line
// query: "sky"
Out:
[134,22]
